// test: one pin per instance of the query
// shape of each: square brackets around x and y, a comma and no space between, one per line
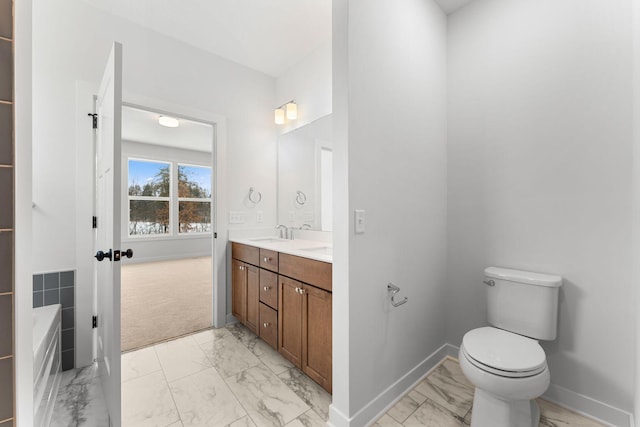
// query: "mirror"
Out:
[305,176]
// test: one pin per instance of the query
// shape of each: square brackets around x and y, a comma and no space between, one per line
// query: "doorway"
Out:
[168,212]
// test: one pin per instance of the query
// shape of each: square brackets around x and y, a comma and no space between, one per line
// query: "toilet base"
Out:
[489,410]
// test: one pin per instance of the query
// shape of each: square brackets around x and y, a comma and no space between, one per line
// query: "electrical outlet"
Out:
[308,216]
[259,216]
[236,217]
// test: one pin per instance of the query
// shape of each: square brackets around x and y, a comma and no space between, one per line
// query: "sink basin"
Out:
[268,240]
[324,250]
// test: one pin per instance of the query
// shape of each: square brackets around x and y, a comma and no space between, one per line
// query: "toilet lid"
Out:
[504,351]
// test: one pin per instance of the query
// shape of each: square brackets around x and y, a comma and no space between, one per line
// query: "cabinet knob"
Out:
[266,288]
[265,324]
[267,259]
[242,267]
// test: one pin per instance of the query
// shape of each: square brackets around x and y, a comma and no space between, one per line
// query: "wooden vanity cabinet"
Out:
[246,294]
[304,323]
[286,301]
[255,290]
[245,283]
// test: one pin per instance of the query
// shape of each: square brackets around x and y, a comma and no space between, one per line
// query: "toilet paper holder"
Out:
[393,290]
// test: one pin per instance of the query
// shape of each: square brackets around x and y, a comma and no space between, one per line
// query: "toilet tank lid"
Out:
[520,276]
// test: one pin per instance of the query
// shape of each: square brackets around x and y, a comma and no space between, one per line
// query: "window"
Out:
[194,199]
[149,197]
[154,200]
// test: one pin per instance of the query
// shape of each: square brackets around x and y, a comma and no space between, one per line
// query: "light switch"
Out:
[359,221]
[259,216]
[292,216]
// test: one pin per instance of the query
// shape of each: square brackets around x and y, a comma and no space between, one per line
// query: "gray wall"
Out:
[540,175]
[59,288]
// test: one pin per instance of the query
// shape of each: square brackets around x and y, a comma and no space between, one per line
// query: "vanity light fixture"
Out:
[170,122]
[279,115]
[291,110]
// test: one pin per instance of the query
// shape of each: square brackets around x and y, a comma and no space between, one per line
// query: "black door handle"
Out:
[113,255]
[102,255]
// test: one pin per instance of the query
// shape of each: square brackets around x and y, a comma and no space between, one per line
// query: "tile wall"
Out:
[59,288]
[7,404]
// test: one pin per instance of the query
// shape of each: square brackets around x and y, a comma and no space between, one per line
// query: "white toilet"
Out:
[504,361]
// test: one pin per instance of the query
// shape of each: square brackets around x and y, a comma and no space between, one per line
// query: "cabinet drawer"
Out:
[269,288]
[269,325]
[248,254]
[269,260]
[316,273]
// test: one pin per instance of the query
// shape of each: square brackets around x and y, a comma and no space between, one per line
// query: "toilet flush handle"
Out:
[489,282]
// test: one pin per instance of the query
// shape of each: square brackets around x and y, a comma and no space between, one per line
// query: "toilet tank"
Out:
[523,302]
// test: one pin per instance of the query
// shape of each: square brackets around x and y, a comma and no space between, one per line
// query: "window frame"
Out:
[173,199]
[194,199]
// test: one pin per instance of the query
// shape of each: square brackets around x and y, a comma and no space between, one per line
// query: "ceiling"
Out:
[266,35]
[450,6]
[142,126]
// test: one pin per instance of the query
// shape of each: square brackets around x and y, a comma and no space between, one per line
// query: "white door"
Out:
[108,147]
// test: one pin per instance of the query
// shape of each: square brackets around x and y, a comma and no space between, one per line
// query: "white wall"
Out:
[71,42]
[394,80]
[540,175]
[23,279]
[308,83]
[636,199]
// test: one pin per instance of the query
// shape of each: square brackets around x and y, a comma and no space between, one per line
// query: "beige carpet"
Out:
[162,300]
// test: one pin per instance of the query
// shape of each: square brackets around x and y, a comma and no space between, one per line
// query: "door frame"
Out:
[218,162]
[85,209]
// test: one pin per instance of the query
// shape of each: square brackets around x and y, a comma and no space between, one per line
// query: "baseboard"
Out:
[142,260]
[231,319]
[589,407]
[385,400]
[571,400]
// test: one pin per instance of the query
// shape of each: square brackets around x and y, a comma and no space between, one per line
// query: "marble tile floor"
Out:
[445,398]
[80,401]
[229,378]
[218,377]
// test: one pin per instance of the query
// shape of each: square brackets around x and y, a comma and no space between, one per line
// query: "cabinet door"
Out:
[316,335]
[252,317]
[238,290]
[290,320]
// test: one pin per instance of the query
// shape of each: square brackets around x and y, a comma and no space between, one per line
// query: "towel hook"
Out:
[251,196]
[394,290]
[301,198]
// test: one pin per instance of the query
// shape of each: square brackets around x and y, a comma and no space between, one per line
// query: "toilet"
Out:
[504,361]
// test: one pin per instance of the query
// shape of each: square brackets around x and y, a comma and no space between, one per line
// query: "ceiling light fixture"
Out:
[170,122]
[291,109]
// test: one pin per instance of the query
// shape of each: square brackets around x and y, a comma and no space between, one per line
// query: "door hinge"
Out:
[94,322]
[95,119]
[94,222]
[215,235]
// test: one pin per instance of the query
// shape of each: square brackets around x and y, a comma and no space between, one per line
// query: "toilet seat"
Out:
[503,353]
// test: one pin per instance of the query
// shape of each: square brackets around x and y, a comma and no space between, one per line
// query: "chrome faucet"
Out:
[282,231]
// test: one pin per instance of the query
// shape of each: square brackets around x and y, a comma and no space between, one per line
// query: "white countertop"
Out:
[312,249]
